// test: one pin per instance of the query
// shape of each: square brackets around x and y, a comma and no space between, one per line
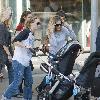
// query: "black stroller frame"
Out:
[87,79]
[83,92]
[47,95]
[83,81]
[59,77]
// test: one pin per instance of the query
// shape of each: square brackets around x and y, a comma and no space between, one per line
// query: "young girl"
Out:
[25,17]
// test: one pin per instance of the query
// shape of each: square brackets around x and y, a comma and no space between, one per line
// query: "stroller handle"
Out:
[53,69]
[47,65]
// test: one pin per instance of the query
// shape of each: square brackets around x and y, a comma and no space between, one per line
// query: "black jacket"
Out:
[5,39]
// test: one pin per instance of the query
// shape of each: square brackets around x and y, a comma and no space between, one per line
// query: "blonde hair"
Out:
[51,25]
[50,28]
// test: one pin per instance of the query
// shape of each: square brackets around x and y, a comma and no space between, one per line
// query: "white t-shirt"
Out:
[24,55]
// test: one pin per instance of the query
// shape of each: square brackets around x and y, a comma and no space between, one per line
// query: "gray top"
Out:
[59,39]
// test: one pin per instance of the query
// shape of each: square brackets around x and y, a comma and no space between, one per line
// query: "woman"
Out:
[25,17]
[5,43]
[21,61]
[58,38]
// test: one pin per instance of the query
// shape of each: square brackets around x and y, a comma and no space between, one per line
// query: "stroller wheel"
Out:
[44,96]
[40,98]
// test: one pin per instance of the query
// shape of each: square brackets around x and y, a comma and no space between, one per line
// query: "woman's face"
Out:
[28,17]
[58,26]
[35,25]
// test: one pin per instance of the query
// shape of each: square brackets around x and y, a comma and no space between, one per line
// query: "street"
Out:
[38,74]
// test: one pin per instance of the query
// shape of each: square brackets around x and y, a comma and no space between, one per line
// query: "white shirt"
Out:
[24,55]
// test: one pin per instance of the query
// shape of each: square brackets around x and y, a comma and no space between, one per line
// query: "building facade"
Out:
[78,14]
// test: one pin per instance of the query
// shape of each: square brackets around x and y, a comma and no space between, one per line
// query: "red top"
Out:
[20,27]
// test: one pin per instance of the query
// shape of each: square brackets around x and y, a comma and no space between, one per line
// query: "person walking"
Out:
[20,61]
[6,52]
[25,17]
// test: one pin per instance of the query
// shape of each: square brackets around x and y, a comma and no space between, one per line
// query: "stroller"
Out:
[58,87]
[87,82]
[89,77]
[55,85]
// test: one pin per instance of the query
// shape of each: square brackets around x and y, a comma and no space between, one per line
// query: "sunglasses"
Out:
[58,25]
[38,23]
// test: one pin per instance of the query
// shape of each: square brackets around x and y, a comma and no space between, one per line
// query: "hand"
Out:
[9,57]
[28,46]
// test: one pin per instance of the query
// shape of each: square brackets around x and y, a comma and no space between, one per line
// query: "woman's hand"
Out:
[28,47]
[10,58]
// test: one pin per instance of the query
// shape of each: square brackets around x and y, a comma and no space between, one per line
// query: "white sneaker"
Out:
[4,98]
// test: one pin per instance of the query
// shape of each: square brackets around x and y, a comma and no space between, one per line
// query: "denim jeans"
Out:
[20,71]
[10,71]
[5,61]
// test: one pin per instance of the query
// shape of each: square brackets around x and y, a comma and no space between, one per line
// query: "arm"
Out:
[8,53]
[7,50]
[22,39]
[20,44]
[70,33]
[22,35]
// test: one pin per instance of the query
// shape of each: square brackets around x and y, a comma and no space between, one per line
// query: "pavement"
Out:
[38,74]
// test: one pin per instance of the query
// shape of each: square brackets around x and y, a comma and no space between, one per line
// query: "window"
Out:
[76,10]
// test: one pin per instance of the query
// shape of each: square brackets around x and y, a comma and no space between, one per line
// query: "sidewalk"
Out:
[38,74]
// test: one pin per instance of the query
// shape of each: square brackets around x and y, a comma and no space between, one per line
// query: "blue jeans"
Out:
[20,71]
[10,71]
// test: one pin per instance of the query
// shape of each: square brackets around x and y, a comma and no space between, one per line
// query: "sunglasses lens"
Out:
[58,25]
[38,23]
